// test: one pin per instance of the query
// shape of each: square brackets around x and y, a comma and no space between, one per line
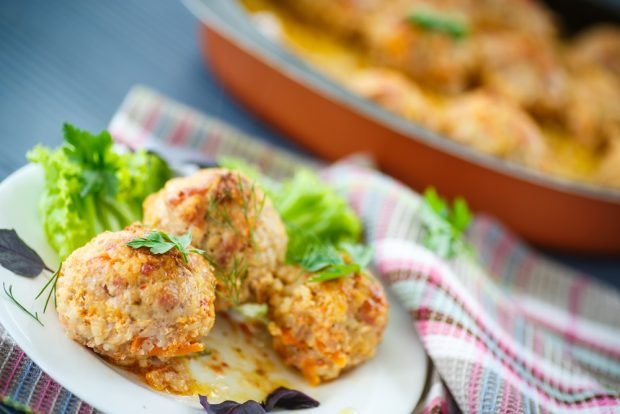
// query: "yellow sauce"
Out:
[568,158]
[241,365]
[238,364]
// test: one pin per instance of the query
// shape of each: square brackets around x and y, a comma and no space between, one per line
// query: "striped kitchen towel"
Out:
[506,330]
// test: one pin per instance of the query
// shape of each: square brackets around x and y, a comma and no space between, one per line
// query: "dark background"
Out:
[71,60]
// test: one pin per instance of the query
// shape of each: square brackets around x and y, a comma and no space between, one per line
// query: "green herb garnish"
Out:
[322,229]
[21,259]
[159,243]
[90,187]
[248,199]
[443,227]
[330,263]
[232,279]
[433,21]
[9,293]
[51,285]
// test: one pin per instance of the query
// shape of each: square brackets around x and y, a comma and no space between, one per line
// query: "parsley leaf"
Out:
[358,253]
[335,272]
[319,256]
[90,187]
[429,20]
[159,243]
[329,262]
[443,227]
[322,228]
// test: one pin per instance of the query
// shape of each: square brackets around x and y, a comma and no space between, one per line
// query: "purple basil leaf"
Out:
[231,407]
[248,407]
[289,399]
[205,404]
[17,256]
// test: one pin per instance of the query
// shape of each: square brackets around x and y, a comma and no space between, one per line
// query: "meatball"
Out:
[599,46]
[433,59]
[383,29]
[592,113]
[391,90]
[493,125]
[133,306]
[524,70]
[325,328]
[527,16]
[233,221]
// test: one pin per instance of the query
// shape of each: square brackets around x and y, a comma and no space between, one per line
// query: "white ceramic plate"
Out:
[390,383]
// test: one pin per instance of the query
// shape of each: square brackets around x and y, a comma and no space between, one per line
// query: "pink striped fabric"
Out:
[506,331]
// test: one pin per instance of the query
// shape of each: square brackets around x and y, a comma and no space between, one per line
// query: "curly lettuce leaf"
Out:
[90,188]
[306,202]
[323,231]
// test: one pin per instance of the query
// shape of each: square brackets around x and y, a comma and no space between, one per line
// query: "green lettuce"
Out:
[89,187]
[323,231]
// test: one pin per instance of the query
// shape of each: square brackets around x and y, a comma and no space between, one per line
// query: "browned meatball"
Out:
[326,328]
[525,70]
[493,125]
[519,15]
[434,59]
[383,29]
[392,90]
[131,305]
[599,46]
[592,113]
[233,221]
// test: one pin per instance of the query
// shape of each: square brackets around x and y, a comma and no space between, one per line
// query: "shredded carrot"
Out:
[308,369]
[169,351]
[288,338]
[137,343]
[177,350]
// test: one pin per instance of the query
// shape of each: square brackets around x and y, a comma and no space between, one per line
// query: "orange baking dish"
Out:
[332,122]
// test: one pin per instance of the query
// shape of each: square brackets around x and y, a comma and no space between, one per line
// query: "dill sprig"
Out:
[257,206]
[246,198]
[233,279]
[51,284]
[219,215]
[251,207]
[9,293]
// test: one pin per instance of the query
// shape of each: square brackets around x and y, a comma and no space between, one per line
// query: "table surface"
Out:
[70,60]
